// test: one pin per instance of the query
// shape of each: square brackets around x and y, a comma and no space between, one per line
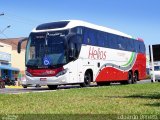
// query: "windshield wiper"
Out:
[31,66]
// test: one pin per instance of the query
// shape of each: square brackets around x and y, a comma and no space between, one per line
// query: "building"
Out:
[12,64]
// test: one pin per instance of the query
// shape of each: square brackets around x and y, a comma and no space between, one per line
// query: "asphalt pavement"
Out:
[20,90]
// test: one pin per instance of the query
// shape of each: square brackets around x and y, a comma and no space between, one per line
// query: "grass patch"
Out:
[116,99]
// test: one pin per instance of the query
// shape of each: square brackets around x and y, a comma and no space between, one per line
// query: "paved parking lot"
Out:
[19,90]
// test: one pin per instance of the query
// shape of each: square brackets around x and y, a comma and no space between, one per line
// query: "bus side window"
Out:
[78,44]
[86,38]
[132,45]
[75,43]
[109,40]
[142,47]
[121,43]
[137,48]
[129,46]
[114,41]
[100,39]
[92,37]
[106,41]
[79,30]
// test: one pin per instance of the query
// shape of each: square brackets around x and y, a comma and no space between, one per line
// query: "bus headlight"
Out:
[28,74]
[62,72]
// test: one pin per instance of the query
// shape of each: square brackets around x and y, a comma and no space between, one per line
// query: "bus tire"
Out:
[52,87]
[135,78]
[130,78]
[87,80]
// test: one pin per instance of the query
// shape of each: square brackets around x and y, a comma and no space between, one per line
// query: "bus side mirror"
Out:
[19,44]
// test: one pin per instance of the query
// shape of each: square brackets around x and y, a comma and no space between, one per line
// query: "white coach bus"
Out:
[78,52]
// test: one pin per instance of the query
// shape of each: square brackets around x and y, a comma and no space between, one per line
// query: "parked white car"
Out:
[156,73]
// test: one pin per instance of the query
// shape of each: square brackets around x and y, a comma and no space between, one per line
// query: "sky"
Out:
[138,18]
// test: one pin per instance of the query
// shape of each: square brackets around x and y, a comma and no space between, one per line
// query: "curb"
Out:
[13,87]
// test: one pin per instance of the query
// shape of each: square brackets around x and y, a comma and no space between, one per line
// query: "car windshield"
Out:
[156,68]
[45,50]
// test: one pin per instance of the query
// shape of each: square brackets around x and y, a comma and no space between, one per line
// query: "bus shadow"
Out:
[150,96]
[155,96]
[157,104]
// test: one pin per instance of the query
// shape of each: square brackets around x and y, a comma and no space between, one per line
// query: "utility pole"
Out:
[2,31]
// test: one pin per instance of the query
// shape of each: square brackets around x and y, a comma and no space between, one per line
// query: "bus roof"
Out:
[74,23]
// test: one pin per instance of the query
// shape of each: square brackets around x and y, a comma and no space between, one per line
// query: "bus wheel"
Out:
[135,78]
[130,78]
[87,80]
[52,87]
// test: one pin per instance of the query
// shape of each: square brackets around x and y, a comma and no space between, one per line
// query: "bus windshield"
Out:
[45,50]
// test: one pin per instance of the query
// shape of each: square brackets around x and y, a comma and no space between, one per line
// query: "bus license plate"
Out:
[43,79]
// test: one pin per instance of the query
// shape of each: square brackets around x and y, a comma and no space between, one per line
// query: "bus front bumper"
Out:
[42,81]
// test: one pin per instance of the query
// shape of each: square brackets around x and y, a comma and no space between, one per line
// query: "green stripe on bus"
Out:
[130,60]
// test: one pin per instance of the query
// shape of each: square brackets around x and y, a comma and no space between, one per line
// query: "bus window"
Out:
[101,39]
[92,37]
[136,46]
[114,42]
[106,41]
[142,47]
[75,43]
[129,44]
[85,36]
[121,43]
[77,30]
[89,37]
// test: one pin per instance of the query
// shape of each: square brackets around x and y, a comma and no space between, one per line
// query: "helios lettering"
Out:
[97,53]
